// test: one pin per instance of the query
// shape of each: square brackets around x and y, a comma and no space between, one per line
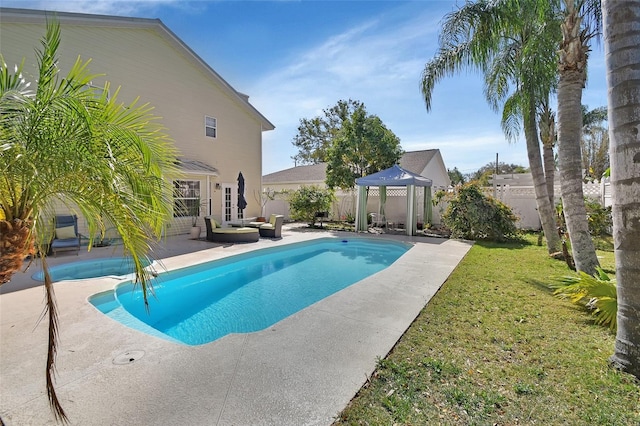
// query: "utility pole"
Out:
[495,177]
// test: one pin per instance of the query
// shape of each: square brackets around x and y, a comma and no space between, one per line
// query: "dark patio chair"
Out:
[66,236]
[273,228]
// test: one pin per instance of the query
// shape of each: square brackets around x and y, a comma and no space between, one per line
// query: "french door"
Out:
[230,211]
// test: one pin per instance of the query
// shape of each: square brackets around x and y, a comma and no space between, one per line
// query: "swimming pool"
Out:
[248,292]
[114,267]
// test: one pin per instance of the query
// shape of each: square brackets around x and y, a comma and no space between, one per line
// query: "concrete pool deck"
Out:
[301,371]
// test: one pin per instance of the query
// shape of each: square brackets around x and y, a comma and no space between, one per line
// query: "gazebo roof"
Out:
[394,176]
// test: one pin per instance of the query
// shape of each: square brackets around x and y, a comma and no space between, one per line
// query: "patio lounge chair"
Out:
[66,234]
[273,229]
[230,235]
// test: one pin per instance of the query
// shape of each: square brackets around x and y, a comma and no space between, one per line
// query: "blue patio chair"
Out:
[66,236]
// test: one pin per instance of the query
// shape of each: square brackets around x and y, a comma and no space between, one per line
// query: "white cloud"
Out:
[377,62]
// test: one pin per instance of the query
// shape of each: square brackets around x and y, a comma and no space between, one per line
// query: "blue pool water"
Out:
[247,292]
[117,267]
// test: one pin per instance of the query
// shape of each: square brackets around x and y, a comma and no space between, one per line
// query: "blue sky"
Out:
[295,58]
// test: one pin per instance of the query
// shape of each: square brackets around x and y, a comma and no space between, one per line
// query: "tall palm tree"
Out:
[511,43]
[66,142]
[621,40]
[581,22]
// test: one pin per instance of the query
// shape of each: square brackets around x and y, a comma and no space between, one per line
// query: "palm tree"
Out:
[581,22]
[621,39]
[512,43]
[66,142]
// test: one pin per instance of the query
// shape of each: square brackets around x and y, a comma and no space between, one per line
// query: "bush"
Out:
[598,217]
[306,201]
[472,215]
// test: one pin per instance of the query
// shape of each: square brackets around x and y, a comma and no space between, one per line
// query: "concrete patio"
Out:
[301,371]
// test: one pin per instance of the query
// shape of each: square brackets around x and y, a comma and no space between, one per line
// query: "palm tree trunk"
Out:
[573,59]
[547,124]
[545,210]
[570,161]
[622,37]
[549,171]
[15,244]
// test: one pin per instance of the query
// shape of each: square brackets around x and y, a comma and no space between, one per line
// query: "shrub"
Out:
[474,216]
[598,217]
[306,201]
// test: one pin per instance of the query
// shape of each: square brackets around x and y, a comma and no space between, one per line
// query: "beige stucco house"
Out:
[217,131]
[427,163]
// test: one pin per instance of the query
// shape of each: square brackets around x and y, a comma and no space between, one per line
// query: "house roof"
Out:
[308,173]
[416,161]
[39,16]
[413,161]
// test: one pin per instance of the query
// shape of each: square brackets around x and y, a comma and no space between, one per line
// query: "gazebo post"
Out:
[411,210]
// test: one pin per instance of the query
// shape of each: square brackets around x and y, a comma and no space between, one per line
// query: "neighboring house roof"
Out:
[26,15]
[416,161]
[413,161]
[308,173]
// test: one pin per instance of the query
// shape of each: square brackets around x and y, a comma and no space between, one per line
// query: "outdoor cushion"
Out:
[230,235]
[233,235]
[233,230]
[273,229]
[66,233]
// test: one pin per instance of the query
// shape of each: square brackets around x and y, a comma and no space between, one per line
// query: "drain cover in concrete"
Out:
[128,357]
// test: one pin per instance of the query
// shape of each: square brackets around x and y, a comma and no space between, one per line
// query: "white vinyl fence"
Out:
[517,192]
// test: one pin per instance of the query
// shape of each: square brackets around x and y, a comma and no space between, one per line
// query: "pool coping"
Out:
[301,371]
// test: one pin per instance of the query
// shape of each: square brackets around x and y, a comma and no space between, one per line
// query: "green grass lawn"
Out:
[495,347]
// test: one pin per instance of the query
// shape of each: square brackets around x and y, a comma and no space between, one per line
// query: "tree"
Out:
[307,201]
[483,174]
[513,44]
[362,146]
[595,143]
[455,176]
[581,22]
[68,142]
[316,135]
[621,38]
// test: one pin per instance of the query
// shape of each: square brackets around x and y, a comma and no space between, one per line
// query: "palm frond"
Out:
[51,310]
[512,113]
[596,293]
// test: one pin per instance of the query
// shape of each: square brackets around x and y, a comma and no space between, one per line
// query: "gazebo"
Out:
[394,176]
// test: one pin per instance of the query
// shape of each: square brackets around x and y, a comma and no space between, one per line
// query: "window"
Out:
[186,198]
[210,127]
